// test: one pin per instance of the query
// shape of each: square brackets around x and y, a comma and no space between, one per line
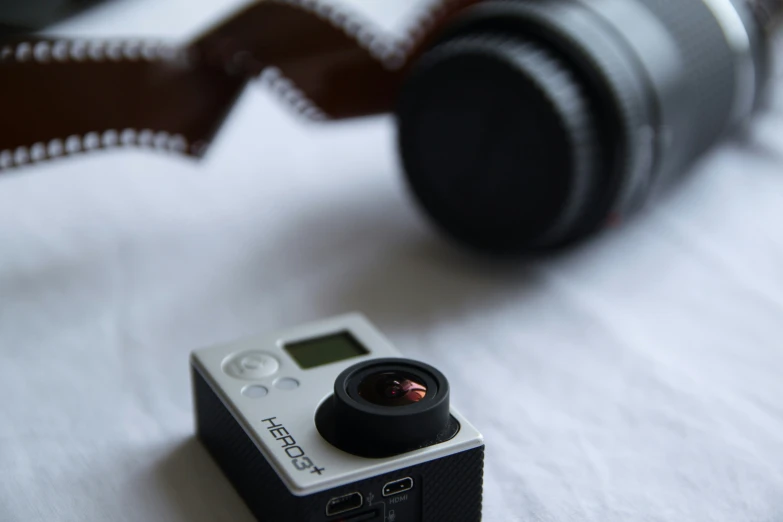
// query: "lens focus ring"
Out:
[708,60]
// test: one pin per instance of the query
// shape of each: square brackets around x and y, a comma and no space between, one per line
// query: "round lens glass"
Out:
[392,388]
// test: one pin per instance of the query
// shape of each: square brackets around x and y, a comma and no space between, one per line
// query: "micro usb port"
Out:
[396,487]
[344,504]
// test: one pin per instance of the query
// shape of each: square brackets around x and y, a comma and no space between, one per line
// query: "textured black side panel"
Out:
[255,480]
[453,487]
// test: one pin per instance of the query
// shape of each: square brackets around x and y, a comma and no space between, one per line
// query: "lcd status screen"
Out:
[318,351]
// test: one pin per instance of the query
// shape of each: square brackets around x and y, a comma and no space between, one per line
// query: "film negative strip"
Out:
[64,96]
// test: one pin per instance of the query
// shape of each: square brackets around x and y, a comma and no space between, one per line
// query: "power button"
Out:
[251,365]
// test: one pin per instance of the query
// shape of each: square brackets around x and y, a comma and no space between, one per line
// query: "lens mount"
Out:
[385,407]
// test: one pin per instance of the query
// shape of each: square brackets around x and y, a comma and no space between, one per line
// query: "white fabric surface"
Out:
[637,379]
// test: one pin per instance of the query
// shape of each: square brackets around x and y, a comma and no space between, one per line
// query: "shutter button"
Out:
[251,365]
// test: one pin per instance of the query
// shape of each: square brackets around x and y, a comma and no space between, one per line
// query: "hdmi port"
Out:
[397,486]
[344,504]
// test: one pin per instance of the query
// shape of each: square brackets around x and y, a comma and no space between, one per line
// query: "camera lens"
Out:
[529,125]
[392,389]
[385,407]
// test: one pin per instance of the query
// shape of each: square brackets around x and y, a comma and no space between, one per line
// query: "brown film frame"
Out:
[64,96]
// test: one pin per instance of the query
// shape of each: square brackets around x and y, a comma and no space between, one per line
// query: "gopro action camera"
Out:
[326,422]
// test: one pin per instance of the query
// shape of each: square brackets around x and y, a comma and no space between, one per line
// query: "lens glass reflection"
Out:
[392,388]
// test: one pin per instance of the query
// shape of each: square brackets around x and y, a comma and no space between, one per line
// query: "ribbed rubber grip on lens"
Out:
[498,140]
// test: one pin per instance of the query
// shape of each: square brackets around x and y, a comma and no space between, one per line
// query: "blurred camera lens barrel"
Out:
[529,124]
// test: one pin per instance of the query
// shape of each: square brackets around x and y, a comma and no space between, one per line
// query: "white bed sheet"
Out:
[639,378]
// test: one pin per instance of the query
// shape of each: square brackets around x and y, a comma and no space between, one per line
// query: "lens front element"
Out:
[388,406]
[392,388]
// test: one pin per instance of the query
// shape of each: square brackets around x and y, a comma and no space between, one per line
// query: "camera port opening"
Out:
[396,487]
[372,516]
[344,504]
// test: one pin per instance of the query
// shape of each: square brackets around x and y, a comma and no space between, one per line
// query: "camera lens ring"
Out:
[365,428]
